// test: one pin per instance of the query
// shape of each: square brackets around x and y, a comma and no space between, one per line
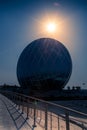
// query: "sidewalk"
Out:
[13,119]
[6,122]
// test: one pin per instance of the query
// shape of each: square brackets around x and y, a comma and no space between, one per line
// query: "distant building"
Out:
[44,65]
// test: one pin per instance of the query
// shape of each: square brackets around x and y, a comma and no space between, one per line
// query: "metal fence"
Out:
[48,115]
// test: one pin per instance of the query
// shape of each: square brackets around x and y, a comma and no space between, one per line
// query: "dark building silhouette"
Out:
[44,65]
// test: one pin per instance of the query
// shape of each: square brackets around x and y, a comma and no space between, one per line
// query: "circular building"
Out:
[44,65]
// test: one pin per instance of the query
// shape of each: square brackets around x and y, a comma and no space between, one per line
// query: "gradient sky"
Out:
[21,22]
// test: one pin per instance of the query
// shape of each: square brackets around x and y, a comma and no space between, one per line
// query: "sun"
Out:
[51,27]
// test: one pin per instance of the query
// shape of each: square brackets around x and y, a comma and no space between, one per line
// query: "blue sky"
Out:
[19,25]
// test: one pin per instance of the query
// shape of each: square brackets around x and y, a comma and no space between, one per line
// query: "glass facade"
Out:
[45,64]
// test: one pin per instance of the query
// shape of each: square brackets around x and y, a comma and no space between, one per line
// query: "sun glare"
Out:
[51,27]
[58,26]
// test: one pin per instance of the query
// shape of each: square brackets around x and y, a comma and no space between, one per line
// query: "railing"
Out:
[48,115]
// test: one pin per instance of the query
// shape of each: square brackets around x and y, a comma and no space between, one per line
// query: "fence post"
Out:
[67,120]
[18,102]
[51,120]
[58,124]
[82,126]
[22,103]
[46,118]
[40,114]
[34,125]
[15,98]
[27,108]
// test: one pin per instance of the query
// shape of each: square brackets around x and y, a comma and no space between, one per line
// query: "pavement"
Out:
[13,119]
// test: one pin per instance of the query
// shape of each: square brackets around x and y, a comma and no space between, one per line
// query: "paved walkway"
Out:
[6,122]
[13,119]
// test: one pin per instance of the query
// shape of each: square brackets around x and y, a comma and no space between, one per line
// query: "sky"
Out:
[22,21]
